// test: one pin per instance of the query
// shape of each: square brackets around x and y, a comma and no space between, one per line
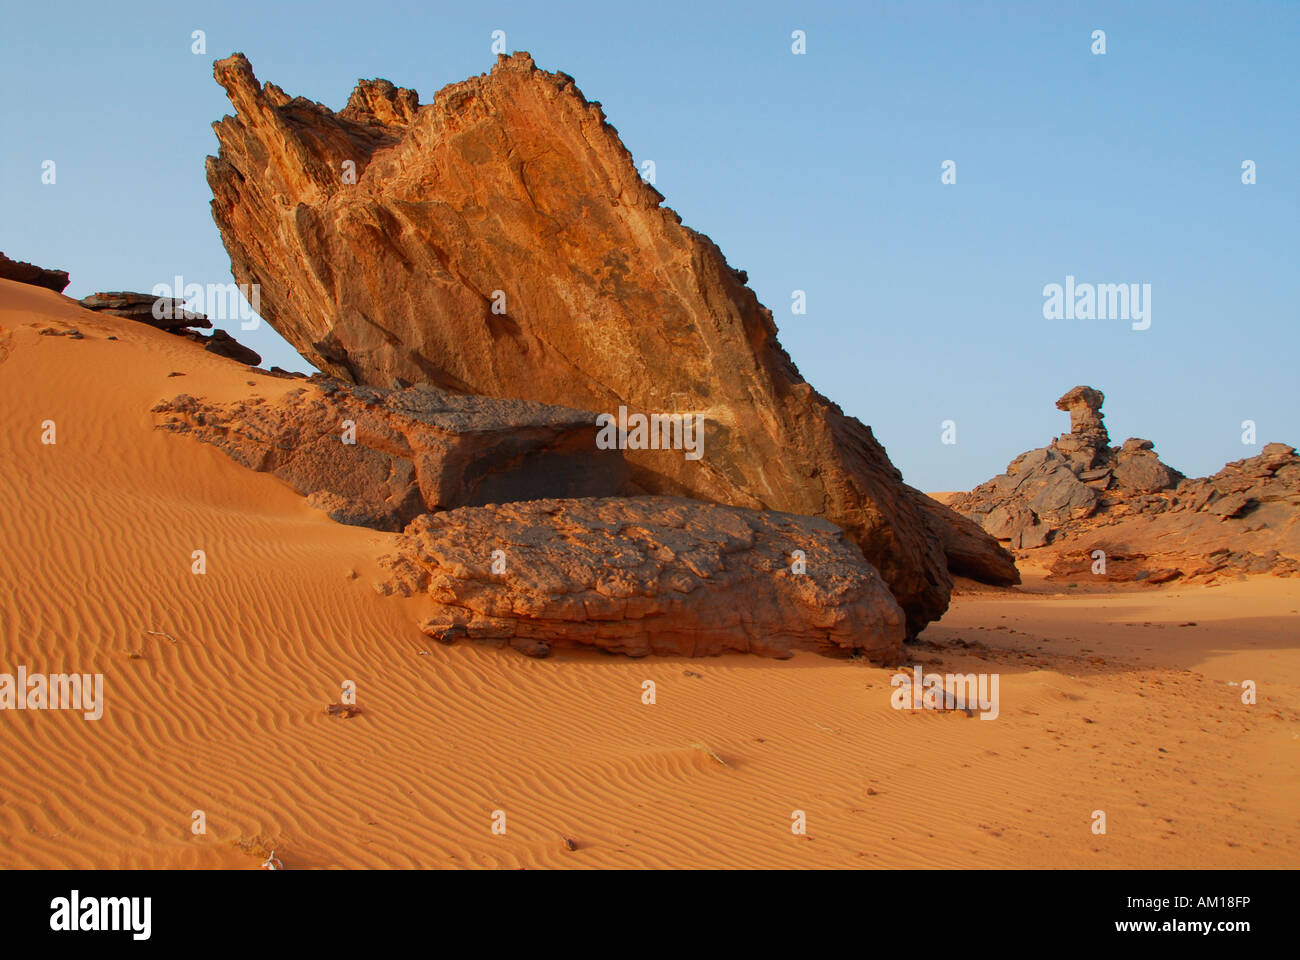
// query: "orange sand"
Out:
[97,535]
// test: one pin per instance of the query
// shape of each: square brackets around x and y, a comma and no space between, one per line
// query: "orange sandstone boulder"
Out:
[645,575]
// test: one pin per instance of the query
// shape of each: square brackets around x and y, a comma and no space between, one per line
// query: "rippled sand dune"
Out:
[216,687]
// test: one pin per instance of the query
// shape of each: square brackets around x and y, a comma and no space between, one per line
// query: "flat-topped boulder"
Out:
[645,575]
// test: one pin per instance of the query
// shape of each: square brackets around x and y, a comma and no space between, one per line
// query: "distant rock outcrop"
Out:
[1080,495]
[379,458]
[501,242]
[1046,489]
[646,575]
[23,272]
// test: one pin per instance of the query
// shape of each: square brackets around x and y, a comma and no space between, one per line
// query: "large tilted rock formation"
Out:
[646,575]
[500,241]
[380,458]
[1080,495]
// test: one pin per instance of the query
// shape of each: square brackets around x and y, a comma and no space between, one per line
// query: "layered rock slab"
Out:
[23,272]
[169,313]
[646,575]
[165,313]
[412,451]
[500,241]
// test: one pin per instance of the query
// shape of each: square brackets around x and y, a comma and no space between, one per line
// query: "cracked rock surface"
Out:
[645,575]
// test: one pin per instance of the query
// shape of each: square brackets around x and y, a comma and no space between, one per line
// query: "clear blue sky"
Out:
[818,172]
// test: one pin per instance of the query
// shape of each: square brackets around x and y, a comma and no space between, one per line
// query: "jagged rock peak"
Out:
[380,101]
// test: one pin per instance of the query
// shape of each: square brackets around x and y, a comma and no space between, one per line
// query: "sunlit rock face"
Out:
[500,241]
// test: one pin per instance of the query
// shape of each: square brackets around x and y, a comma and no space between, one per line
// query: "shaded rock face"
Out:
[224,345]
[971,551]
[500,241]
[415,450]
[1153,525]
[645,575]
[23,272]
